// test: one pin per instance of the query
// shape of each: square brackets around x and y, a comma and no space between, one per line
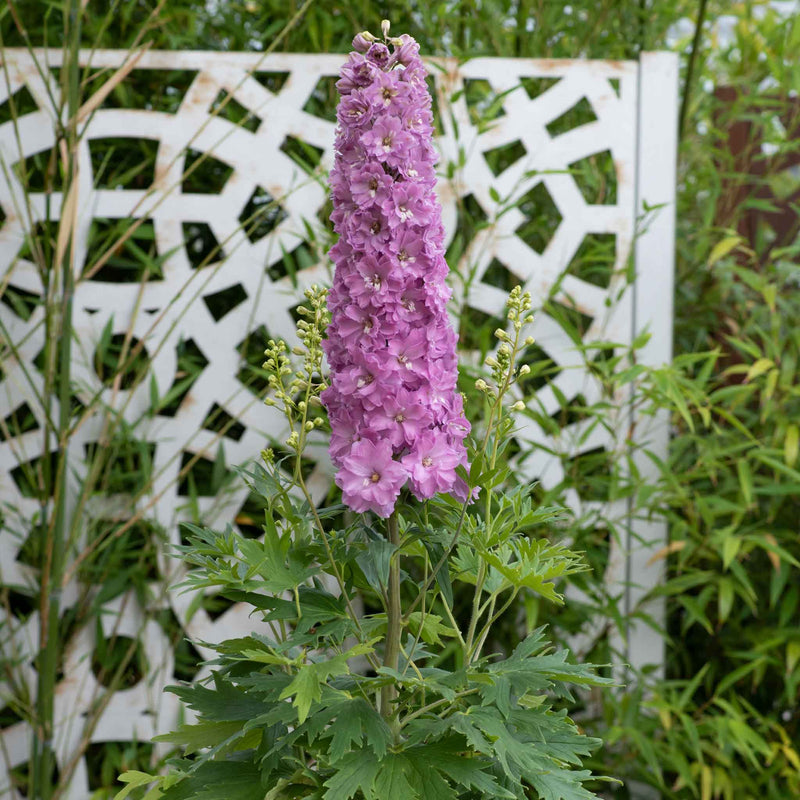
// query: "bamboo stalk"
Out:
[690,67]
[43,755]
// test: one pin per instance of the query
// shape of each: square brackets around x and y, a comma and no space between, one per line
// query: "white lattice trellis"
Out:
[633,105]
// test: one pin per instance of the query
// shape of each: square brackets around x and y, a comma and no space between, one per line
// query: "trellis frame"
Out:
[644,144]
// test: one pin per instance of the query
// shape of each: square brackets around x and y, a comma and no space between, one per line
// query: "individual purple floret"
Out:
[395,415]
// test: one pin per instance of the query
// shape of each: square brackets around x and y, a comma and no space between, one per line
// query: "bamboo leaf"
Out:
[725,598]
[759,367]
[664,552]
[745,481]
[791,445]
[722,248]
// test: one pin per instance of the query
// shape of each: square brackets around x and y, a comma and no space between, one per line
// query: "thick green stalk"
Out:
[43,756]
[391,653]
[690,67]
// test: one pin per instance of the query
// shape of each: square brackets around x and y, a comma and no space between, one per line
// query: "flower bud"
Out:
[529,341]
[501,335]
[524,370]
[362,41]
[518,406]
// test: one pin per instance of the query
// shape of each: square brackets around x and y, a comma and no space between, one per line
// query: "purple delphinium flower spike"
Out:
[395,415]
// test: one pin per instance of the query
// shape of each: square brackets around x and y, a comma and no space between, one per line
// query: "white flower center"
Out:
[427,461]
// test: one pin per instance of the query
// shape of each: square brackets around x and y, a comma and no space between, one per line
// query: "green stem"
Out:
[391,653]
[334,567]
[476,605]
[493,617]
[431,706]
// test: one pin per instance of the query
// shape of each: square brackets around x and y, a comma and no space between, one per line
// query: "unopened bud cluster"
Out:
[289,383]
[502,363]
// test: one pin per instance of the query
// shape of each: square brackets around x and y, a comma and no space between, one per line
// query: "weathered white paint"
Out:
[635,121]
[653,312]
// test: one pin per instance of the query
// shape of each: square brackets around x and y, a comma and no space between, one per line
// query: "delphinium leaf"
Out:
[212,780]
[355,772]
[357,720]
[224,702]
[307,684]
[395,776]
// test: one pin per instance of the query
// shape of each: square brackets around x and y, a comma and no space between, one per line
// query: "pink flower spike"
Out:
[392,402]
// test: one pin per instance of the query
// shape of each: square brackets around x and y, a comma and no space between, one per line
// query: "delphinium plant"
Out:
[363,677]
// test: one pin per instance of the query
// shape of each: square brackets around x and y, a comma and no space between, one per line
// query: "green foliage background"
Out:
[725,722]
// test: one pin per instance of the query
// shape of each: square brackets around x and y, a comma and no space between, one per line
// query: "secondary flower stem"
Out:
[476,603]
[493,617]
[432,706]
[334,566]
[393,613]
